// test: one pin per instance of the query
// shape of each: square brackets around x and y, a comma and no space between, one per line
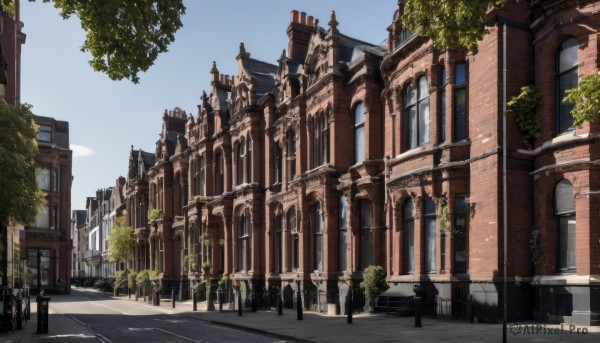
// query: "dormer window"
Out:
[45,134]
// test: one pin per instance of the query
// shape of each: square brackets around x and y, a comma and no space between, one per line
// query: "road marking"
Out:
[176,335]
[87,326]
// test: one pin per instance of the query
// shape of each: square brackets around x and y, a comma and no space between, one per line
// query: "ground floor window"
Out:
[39,267]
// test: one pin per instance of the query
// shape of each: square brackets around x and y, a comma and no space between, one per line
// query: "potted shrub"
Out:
[374,283]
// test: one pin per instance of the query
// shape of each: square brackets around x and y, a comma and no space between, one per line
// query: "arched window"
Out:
[359,133]
[409,236]
[317,229]
[564,211]
[416,114]
[244,243]
[294,240]
[365,208]
[277,245]
[566,78]
[342,222]
[429,248]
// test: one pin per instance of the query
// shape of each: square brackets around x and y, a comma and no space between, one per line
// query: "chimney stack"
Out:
[299,32]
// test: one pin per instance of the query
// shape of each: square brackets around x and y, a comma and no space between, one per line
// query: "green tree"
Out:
[450,24]
[120,241]
[124,37]
[20,194]
[586,98]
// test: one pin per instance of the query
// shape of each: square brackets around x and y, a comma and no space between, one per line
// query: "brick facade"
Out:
[346,154]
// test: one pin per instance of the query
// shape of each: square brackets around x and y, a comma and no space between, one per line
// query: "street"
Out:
[114,320]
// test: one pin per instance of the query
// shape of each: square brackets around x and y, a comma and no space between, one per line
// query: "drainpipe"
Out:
[504,194]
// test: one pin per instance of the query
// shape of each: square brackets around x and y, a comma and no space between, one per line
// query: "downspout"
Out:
[504,194]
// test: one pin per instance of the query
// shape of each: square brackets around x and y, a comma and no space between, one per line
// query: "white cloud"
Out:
[81,150]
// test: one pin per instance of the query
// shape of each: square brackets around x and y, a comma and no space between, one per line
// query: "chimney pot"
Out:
[294,16]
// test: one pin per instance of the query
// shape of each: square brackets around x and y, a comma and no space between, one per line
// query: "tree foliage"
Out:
[450,24]
[374,282]
[523,108]
[586,97]
[20,194]
[124,37]
[120,241]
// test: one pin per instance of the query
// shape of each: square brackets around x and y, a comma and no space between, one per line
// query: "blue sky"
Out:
[106,117]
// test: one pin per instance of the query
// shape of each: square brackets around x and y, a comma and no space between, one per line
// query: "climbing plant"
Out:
[523,109]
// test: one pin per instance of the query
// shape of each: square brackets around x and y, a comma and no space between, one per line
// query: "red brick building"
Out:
[346,154]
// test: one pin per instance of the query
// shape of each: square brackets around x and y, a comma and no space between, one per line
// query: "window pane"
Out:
[359,144]
[423,88]
[42,219]
[359,114]
[409,247]
[43,178]
[45,133]
[342,234]
[568,55]
[460,118]
[366,239]
[424,122]
[318,233]
[442,102]
[566,81]
[461,75]
[566,243]
[430,266]
[564,199]
[460,235]
[411,127]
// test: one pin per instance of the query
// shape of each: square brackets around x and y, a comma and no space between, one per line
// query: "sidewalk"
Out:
[316,327]
[370,327]
[60,329]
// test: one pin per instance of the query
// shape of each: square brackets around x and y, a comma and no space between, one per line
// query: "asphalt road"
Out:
[114,320]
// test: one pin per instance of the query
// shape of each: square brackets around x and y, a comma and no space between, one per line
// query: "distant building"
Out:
[78,222]
[47,243]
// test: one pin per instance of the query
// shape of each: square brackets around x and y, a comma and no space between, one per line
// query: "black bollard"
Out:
[418,323]
[220,293]
[349,306]
[299,305]
[240,303]
[157,299]
[195,301]
[129,292]
[173,297]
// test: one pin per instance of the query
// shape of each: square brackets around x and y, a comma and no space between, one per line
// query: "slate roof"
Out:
[262,72]
[80,217]
[148,158]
